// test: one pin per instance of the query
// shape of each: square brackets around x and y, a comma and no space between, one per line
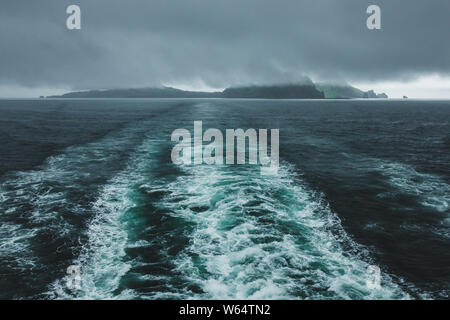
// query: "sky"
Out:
[212,44]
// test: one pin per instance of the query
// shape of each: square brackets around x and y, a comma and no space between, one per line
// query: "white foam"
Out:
[36,202]
[102,260]
[264,238]
[431,189]
[255,237]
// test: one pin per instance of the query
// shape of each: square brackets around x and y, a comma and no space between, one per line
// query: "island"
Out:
[304,90]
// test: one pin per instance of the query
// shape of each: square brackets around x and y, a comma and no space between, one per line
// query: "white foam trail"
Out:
[255,237]
[102,260]
[265,238]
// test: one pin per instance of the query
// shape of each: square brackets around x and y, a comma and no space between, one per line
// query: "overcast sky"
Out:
[209,44]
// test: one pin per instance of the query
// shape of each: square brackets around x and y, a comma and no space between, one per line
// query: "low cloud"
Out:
[219,43]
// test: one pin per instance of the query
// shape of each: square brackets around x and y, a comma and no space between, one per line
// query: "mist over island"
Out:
[304,90]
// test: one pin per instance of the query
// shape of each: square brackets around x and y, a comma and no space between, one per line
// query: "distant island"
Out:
[307,90]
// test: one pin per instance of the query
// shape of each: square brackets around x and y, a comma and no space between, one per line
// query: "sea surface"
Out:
[90,183]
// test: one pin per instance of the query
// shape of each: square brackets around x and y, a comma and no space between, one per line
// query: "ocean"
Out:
[90,183]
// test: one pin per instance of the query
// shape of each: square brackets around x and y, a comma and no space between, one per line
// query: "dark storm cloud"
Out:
[140,43]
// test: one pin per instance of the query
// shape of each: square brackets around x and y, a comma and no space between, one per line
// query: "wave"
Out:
[432,191]
[44,210]
[207,232]
[218,232]
[102,257]
[262,237]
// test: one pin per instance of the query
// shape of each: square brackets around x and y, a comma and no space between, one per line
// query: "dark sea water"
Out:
[90,183]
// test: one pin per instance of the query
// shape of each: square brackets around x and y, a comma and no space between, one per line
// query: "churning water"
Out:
[90,183]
